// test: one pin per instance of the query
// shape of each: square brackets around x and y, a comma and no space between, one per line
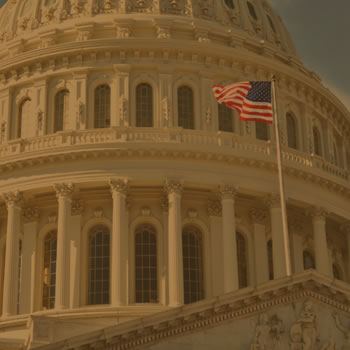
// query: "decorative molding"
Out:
[259,215]
[214,207]
[98,212]
[119,185]
[145,211]
[64,190]
[30,214]
[273,201]
[77,207]
[52,218]
[228,191]
[173,186]
[13,198]
[192,213]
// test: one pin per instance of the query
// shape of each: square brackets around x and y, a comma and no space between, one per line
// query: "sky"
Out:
[321,33]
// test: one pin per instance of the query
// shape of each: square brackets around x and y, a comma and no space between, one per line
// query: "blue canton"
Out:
[260,91]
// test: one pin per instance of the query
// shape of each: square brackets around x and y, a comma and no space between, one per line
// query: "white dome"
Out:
[252,20]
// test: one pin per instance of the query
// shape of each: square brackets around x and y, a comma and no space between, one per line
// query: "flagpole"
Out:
[281,180]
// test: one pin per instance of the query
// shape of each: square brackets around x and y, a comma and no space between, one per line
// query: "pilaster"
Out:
[122,77]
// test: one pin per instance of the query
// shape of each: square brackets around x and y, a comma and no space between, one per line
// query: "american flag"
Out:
[252,99]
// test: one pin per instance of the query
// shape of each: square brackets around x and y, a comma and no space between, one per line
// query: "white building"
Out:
[137,212]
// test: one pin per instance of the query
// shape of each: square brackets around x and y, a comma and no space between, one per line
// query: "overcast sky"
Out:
[321,33]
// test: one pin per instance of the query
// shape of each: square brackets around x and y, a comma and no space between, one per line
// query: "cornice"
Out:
[187,319]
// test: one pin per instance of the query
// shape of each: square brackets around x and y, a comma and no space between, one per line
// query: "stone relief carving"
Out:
[124,111]
[80,112]
[267,333]
[344,330]
[77,207]
[303,333]
[214,208]
[118,185]
[30,214]
[208,114]
[145,6]
[166,110]
[175,7]
[40,119]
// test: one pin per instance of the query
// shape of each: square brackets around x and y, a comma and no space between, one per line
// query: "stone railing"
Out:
[204,141]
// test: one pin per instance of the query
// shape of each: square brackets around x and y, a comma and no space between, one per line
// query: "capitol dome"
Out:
[135,208]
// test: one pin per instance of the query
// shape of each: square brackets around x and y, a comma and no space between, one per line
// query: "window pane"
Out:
[102,107]
[61,101]
[192,264]
[49,275]
[225,118]
[242,261]
[99,265]
[261,130]
[146,264]
[144,105]
[185,107]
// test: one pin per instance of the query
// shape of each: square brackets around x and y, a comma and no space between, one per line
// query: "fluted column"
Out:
[259,217]
[278,249]
[119,247]
[30,228]
[9,305]
[164,272]
[75,251]
[64,196]
[320,241]
[175,260]
[230,262]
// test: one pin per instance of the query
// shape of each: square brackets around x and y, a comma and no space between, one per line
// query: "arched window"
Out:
[144,105]
[291,131]
[61,109]
[98,266]
[192,264]
[317,141]
[336,272]
[146,281]
[251,9]
[261,131]
[226,122]
[19,275]
[242,260]
[270,259]
[230,4]
[24,118]
[308,259]
[185,107]
[49,275]
[271,24]
[102,107]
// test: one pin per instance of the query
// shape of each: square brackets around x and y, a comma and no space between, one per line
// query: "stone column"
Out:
[320,241]
[278,252]
[119,248]
[164,281]
[9,305]
[64,196]
[79,96]
[296,239]
[346,230]
[229,249]
[28,287]
[122,116]
[175,260]
[259,217]
[75,251]
[215,222]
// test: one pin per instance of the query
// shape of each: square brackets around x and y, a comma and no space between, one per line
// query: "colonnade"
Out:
[119,247]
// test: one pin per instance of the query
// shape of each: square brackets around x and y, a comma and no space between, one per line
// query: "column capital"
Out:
[228,191]
[273,201]
[164,203]
[63,190]
[258,215]
[173,186]
[118,185]
[30,214]
[318,213]
[214,207]
[13,198]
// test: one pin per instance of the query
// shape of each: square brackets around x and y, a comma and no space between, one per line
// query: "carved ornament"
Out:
[30,214]
[118,185]
[228,191]
[173,186]
[13,198]
[214,208]
[77,207]
[259,215]
[64,190]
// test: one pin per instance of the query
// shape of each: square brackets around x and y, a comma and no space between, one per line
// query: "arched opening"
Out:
[270,259]
[102,107]
[146,275]
[99,265]
[144,105]
[24,127]
[185,107]
[308,260]
[242,260]
[49,273]
[226,122]
[61,109]
[192,250]
[291,131]
[317,141]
